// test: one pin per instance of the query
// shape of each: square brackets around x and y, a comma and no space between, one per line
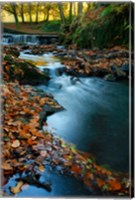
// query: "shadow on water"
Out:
[95,119]
[61,186]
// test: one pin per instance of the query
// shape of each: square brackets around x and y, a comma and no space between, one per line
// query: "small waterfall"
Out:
[20,39]
[9,38]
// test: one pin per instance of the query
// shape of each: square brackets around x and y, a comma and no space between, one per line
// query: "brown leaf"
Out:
[76,168]
[17,188]
[15,144]
[43,153]
[6,166]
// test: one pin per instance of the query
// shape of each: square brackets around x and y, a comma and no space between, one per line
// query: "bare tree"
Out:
[37,11]
[22,12]
[30,12]
[12,8]
[61,12]
[70,11]
[80,7]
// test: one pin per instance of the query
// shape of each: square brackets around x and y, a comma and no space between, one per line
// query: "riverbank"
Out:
[29,148]
[111,64]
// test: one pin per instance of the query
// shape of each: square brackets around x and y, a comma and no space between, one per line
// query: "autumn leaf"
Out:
[114,185]
[100,182]
[41,168]
[15,144]
[67,163]
[6,166]
[31,142]
[76,169]
[17,188]
[43,153]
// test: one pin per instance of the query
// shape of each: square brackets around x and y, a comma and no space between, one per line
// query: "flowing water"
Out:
[95,119]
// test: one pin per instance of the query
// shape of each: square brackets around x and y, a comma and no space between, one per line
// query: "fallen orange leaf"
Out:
[114,185]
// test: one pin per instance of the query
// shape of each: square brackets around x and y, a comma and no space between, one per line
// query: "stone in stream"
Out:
[99,72]
[110,77]
[118,72]
[125,68]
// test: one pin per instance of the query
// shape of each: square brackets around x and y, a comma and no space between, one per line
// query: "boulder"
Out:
[118,72]
[99,72]
[110,77]
[11,51]
[24,72]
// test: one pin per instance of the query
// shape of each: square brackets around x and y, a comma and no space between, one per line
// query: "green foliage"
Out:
[107,11]
[106,28]
[52,26]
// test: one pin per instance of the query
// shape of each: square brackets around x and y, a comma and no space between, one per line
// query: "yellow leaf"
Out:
[41,168]
[17,188]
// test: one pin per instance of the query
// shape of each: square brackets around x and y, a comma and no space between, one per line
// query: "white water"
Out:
[19,39]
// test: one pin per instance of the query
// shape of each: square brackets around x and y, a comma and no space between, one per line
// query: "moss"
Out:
[24,72]
[108,27]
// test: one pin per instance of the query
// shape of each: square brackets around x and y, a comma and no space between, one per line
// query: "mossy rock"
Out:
[11,51]
[24,72]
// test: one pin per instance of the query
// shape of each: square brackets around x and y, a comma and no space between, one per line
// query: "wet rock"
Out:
[99,72]
[25,47]
[11,51]
[61,70]
[24,72]
[118,72]
[110,77]
[62,54]
[71,72]
[125,68]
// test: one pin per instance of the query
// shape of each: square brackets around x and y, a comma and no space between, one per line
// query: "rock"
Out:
[24,72]
[71,72]
[110,77]
[25,47]
[99,72]
[62,54]
[125,67]
[60,71]
[118,72]
[11,51]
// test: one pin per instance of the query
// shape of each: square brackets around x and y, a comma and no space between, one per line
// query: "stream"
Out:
[95,116]
[95,119]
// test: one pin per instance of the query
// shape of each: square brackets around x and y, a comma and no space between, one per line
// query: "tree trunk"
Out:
[37,12]
[30,13]
[47,14]
[22,13]
[75,12]
[16,20]
[14,7]
[70,11]
[88,6]
[61,12]
[80,8]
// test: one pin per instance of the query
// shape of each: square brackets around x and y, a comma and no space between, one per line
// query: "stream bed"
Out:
[95,119]
[96,115]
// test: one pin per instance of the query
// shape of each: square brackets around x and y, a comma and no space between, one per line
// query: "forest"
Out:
[66,71]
